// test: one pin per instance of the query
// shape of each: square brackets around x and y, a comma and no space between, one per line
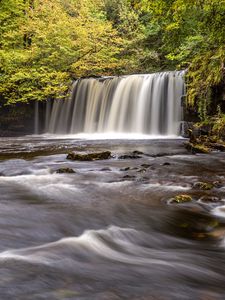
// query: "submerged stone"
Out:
[128,177]
[125,169]
[105,169]
[89,156]
[166,164]
[209,199]
[138,152]
[129,156]
[217,184]
[141,170]
[146,166]
[65,170]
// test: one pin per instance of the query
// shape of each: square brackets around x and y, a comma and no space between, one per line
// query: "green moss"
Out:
[182,198]
[203,185]
[197,148]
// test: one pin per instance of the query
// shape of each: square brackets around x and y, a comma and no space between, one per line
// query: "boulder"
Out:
[196,148]
[203,185]
[89,156]
[65,170]
[182,198]
[218,146]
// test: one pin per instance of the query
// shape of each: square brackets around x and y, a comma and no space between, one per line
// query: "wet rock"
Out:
[166,164]
[196,148]
[203,185]
[146,166]
[125,169]
[209,199]
[129,156]
[105,169]
[217,146]
[217,184]
[181,199]
[128,177]
[89,156]
[137,152]
[141,170]
[65,170]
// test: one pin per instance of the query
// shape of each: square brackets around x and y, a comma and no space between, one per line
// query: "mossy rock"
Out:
[206,186]
[182,198]
[65,170]
[89,156]
[197,148]
[218,146]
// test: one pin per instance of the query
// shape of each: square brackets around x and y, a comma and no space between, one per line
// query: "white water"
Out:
[136,105]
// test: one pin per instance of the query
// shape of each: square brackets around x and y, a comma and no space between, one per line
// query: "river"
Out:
[109,231]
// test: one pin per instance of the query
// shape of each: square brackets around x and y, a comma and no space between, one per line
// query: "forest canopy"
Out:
[46,44]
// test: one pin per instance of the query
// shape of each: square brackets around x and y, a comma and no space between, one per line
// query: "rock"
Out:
[203,185]
[89,156]
[137,152]
[128,177]
[105,169]
[166,164]
[65,170]
[146,166]
[196,148]
[209,199]
[141,170]
[185,127]
[217,146]
[129,156]
[125,169]
[181,199]
[217,184]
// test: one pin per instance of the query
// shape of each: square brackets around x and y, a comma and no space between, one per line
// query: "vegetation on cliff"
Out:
[46,44]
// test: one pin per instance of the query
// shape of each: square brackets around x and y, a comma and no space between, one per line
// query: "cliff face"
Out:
[16,120]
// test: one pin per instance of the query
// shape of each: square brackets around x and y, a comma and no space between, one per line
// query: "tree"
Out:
[46,44]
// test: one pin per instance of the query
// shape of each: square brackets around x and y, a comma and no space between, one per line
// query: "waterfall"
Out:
[36,118]
[138,104]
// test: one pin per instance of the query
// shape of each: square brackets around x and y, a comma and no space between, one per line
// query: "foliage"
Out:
[193,38]
[46,43]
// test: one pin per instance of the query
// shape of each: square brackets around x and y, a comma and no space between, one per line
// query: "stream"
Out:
[109,231]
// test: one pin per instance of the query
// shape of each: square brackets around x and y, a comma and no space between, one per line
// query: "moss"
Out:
[197,148]
[182,198]
[89,156]
[203,185]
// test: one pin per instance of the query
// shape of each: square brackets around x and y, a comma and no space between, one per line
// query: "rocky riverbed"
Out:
[145,222]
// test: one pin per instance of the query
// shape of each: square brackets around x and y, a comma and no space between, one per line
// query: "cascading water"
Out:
[136,104]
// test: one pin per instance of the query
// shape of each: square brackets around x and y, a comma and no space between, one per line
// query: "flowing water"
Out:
[108,231]
[137,104]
